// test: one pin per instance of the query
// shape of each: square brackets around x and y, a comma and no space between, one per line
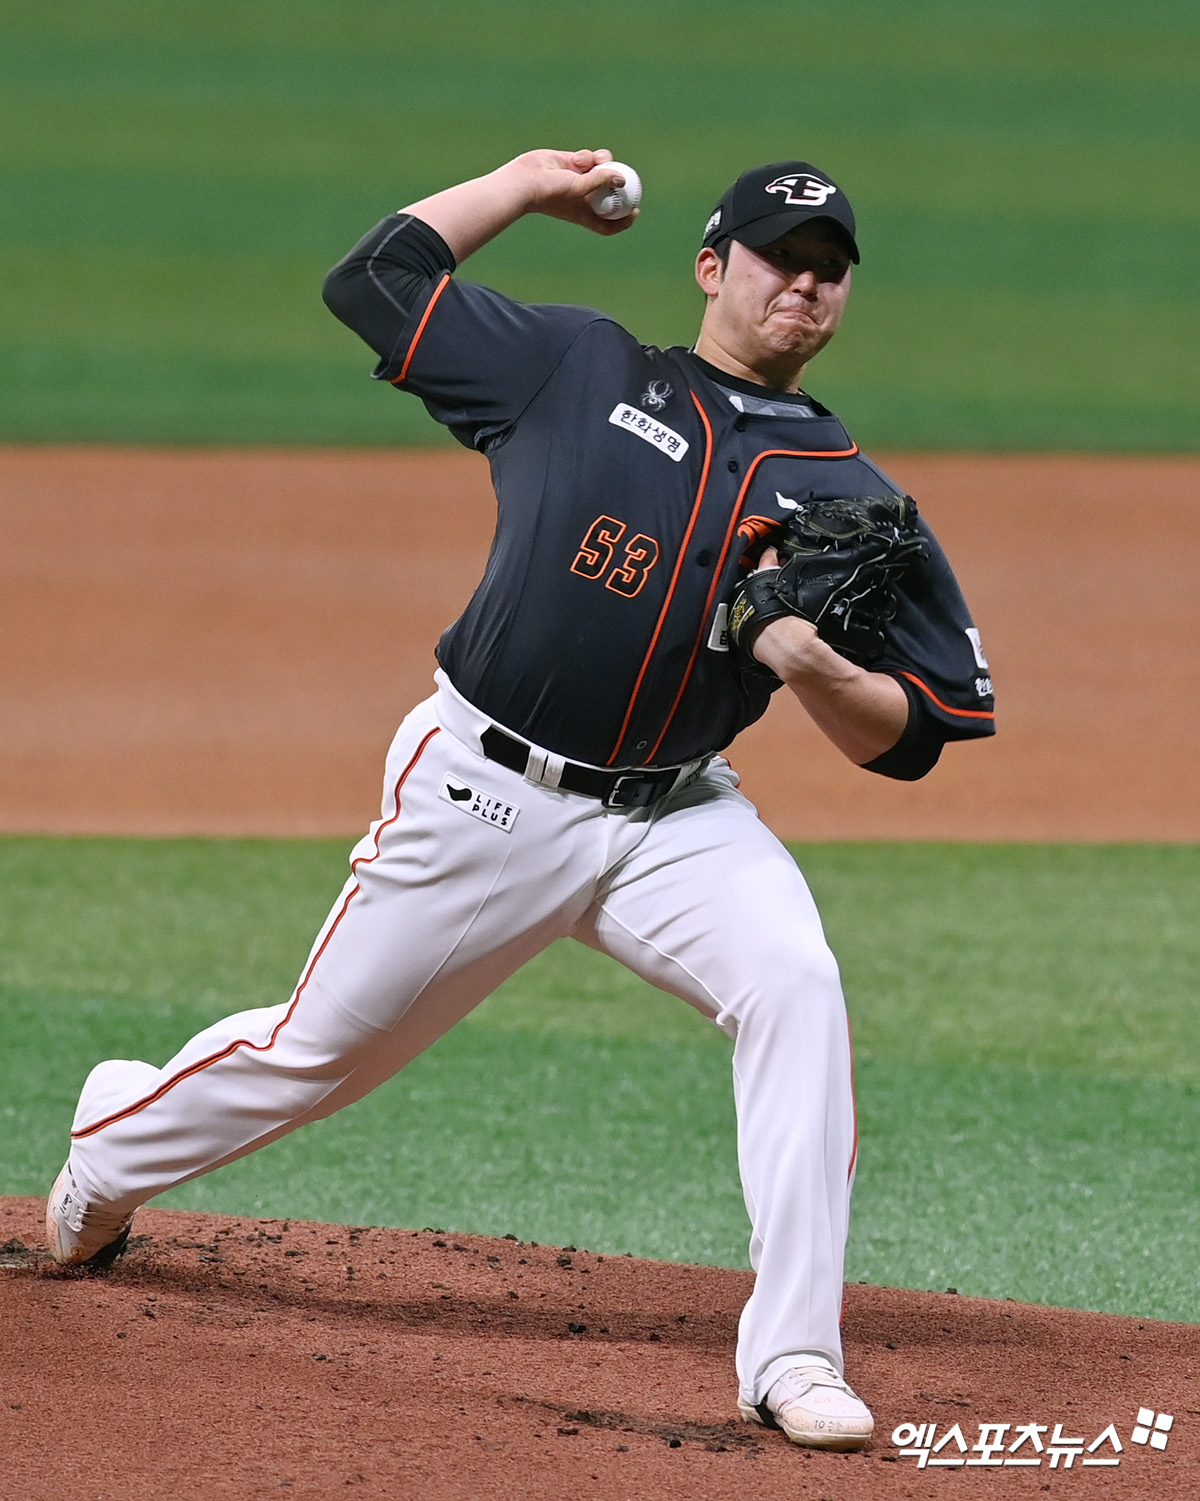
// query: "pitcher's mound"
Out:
[243,1358]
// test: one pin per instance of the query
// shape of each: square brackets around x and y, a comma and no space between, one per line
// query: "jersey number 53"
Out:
[602,544]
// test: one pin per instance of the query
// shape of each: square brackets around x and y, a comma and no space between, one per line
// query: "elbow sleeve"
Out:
[916,752]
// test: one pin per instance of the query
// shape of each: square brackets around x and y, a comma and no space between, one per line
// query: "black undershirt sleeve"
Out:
[918,748]
[374,289]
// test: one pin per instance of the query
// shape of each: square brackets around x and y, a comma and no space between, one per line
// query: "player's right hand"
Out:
[557,183]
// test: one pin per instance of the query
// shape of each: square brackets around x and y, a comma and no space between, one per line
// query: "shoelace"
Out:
[89,1218]
[796,1382]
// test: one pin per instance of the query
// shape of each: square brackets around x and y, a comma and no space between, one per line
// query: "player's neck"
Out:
[777,376]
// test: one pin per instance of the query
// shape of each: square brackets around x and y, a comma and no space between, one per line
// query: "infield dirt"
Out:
[223,642]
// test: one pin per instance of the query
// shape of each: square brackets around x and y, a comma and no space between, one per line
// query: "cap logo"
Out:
[801,188]
[713,220]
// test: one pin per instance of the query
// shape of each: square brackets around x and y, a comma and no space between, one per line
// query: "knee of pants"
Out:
[791,990]
[317,1041]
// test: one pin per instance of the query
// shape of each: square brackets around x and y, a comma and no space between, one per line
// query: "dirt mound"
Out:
[228,1357]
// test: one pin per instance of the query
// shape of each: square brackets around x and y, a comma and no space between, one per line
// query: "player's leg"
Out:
[443,904]
[712,908]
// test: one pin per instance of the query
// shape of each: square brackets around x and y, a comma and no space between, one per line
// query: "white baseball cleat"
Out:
[814,1406]
[78,1236]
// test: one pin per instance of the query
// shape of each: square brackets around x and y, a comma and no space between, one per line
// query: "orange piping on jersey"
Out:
[416,339]
[244,1042]
[662,614]
[770,453]
[961,713]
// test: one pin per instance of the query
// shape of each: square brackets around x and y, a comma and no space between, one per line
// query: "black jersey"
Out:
[631,483]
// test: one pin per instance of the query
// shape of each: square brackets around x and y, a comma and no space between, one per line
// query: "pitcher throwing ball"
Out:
[680,533]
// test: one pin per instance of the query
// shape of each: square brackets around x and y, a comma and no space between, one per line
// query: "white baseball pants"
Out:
[443,903]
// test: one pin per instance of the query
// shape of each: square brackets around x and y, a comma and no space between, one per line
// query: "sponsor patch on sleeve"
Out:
[657,434]
[977,649]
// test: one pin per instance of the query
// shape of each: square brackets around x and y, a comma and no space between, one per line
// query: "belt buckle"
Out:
[647,788]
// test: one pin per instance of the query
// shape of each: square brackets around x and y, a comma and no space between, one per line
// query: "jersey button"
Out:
[641,745]
[740,425]
[704,558]
[732,465]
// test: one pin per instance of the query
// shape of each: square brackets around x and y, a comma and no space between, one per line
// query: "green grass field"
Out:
[1026,1036]
[176,179]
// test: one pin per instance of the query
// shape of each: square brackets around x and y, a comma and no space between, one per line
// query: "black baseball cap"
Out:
[766,202]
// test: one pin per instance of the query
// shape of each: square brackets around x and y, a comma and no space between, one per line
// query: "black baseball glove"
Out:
[841,560]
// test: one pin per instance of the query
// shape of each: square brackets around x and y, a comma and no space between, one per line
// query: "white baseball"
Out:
[612,202]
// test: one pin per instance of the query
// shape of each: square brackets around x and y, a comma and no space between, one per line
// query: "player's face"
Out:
[774,308]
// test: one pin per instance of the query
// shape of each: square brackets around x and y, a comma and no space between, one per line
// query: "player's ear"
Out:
[710,269]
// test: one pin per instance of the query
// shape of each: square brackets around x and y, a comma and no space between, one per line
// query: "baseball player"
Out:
[654,578]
